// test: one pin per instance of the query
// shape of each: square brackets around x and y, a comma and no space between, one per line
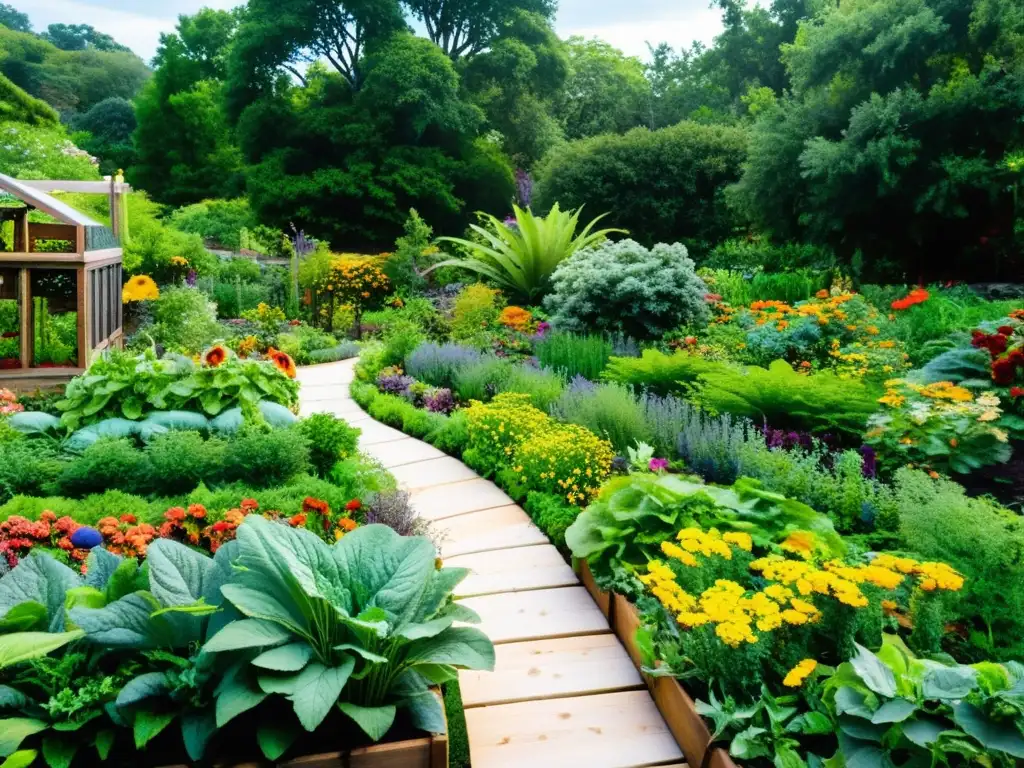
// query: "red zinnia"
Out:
[353,505]
[197,511]
[1017,392]
[129,519]
[297,521]
[220,526]
[1003,371]
[1006,330]
[215,356]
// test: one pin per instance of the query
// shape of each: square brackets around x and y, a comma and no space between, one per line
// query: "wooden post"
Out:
[82,301]
[21,231]
[25,295]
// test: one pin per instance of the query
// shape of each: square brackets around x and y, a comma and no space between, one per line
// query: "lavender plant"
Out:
[439,401]
[394,383]
[609,410]
[440,364]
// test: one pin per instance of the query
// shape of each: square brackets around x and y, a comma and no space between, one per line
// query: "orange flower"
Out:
[215,355]
[309,504]
[347,524]
[283,362]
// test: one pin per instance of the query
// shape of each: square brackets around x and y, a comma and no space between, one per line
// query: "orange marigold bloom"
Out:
[283,362]
[347,524]
[309,504]
[215,355]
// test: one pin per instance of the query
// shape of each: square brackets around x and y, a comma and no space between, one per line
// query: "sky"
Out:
[626,25]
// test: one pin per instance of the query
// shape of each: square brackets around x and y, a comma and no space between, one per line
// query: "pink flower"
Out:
[658,465]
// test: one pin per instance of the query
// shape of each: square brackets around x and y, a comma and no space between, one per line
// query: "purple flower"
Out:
[439,401]
[870,467]
[511,223]
[524,188]
[190,279]
[395,384]
[542,329]
[658,465]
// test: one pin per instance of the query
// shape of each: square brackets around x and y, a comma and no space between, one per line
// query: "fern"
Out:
[662,374]
[786,399]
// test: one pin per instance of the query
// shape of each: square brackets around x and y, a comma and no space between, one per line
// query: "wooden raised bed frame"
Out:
[430,751]
[674,703]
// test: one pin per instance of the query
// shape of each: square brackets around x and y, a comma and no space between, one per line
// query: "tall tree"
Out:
[467,27]
[605,92]
[79,37]
[185,146]
[516,80]
[14,19]
[894,146]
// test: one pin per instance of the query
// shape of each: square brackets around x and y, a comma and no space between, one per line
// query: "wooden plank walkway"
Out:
[564,693]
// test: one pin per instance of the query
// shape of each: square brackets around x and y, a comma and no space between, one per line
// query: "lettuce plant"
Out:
[365,625]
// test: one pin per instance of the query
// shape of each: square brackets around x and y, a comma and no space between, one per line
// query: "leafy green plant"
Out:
[783,398]
[122,384]
[543,387]
[180,461]
[474,315]
[552,514]
[892,703]
[572,355]
[267,458]
[609,410]
[635,514]
[523,259]
[330,440]
[27,467]
[108,463]
[660,373]
[627,288]
[185,319]
[365,625]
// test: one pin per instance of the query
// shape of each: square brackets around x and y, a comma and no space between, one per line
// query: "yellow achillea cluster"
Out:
[353,281]
[931,575]
[567,460]
[694,541]
[798,674]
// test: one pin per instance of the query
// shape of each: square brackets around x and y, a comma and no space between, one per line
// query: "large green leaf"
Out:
[286,658]
[25,617]
[949,682]
[33,422]
[23,758]
[101,566]
[247,633]
[177,574]
[125,623]
[385,570]
[426,712]
[197,728]
[894,711]
[462,647]
[23,646]
[276,737]
[375,721]
[58,750]
[40,579]
[317,690]
[992,735]
[148,726]
[236,694]
[145,686]
[875,675]
[14,730]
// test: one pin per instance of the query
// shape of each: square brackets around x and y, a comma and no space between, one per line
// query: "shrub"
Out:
[185,319]
[343,351]
[156,250]
[451,435]
[497,428]
[759,253]
[543,387]
[400,339]
[710,445]
[182,460]
[394,510]
[608,410]
[263,459]
[981,540]
[483,380]
[662,185]
[551,514]
[565,460]
[778,395]
[302,341]
[330,439]
[660,373]
[27,467]
[107,463]
[574,355]
[217,221]
[522,258]
[404,265]
[628,288]
[476,310]
[439,364]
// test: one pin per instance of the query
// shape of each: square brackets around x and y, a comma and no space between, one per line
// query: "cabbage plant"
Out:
[365,625]
[522,257]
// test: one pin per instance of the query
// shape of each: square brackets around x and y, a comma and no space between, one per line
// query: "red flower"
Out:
[1006,330]
[131,519]
[297,521]
[197,511]
[1017,392]
[309,504]
[221,526]
[249,505]
[353,505]
[174,514]
[46,516]
[1016,356]
[1003,372]
[916,296]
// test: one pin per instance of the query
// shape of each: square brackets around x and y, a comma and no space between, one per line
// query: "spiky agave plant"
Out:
[522,258]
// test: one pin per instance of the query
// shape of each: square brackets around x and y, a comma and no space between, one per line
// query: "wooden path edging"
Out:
[564,691]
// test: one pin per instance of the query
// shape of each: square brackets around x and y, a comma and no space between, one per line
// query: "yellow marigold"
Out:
[734,634]
[740,539]
[140,288]
[690,619]
[798,674]
[800,543]
[803,606]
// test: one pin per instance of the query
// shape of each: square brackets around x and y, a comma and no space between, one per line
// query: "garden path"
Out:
[564,692]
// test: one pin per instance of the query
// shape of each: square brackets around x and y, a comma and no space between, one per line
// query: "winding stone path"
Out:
[564,693]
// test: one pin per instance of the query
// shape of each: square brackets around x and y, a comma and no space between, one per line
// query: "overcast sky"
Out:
[628,24]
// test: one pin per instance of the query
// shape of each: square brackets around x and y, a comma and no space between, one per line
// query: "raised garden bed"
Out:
[674,703]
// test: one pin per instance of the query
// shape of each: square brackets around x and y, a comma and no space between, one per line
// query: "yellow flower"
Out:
[798,674]
[140,288]
[740,539]
[989,415]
